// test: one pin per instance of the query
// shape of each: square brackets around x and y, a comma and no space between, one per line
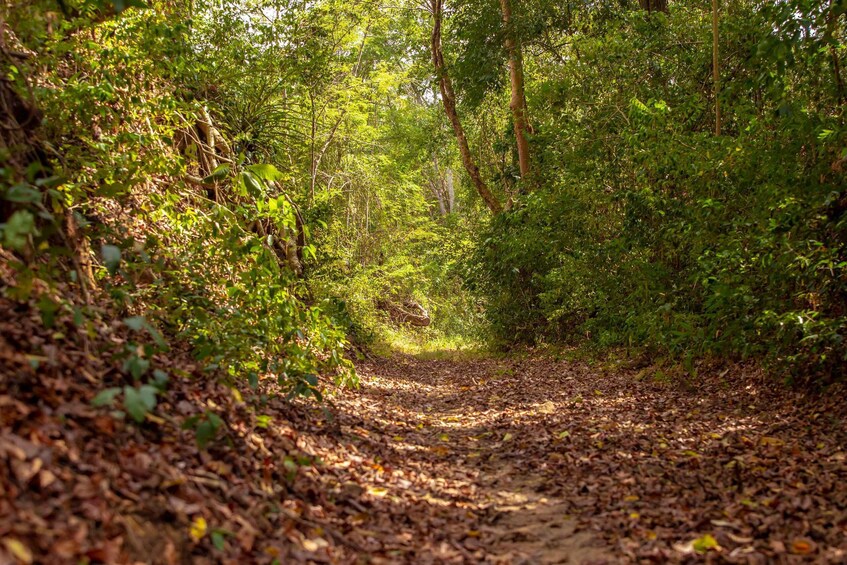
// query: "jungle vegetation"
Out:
[270,181]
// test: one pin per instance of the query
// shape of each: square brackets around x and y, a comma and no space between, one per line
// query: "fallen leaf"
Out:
[739,539]
[314,544]
[198,529]
[18,549]
[705,543]
[802,546]
[377,491]
[547,408]
[771,441]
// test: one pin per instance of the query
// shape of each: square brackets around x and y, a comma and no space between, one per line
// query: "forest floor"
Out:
[516,460]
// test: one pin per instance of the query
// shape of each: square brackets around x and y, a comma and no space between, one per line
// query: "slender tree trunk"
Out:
[832,22]
[313,164]
[451,194]
[654,5]
[518,101]
[715,68]
[448,99]
[438,188]
[318,156]
[315,155]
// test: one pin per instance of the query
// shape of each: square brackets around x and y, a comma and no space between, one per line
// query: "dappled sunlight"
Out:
[423,281]
[556,448]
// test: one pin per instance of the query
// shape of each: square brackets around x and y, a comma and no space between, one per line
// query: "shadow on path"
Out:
[535,461]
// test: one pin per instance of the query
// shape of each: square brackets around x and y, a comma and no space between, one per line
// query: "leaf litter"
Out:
[522,460]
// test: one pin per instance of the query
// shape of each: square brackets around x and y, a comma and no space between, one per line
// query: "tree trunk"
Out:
[518,100]
[448,99]
[654,5]
[715,67]
[19,120]
[438,187]
[451,194]
[315,155]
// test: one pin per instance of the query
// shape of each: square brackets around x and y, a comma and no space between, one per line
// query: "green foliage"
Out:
[196,268]
[335,193]
[648,230]
[137,401]
[17,229]
[205,427]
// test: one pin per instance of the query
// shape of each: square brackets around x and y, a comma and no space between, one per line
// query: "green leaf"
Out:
[111,257]
[190,422]
[266,172]
[136,323]
[207,429]
[106,397]
[48,310]
[23,194]
[16,230]
[161,379]
[148,396]
[136,366]
[135,404]
[218,540]
[205,433]
[252,184]
[220,173]
[139,323]
[157,336]
[289,464]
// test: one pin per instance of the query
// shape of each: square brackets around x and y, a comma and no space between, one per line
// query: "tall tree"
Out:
[448,99]
[715,68]
[518,98]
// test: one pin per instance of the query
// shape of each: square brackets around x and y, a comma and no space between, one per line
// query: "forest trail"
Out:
[521,460]
[206,206]
[536,461]
[453,438]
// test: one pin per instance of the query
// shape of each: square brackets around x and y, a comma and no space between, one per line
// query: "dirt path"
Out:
[448,461]
[535,461]
[442,434]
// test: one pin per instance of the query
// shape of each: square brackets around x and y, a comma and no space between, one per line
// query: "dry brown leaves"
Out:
[430,462]
[732,468]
